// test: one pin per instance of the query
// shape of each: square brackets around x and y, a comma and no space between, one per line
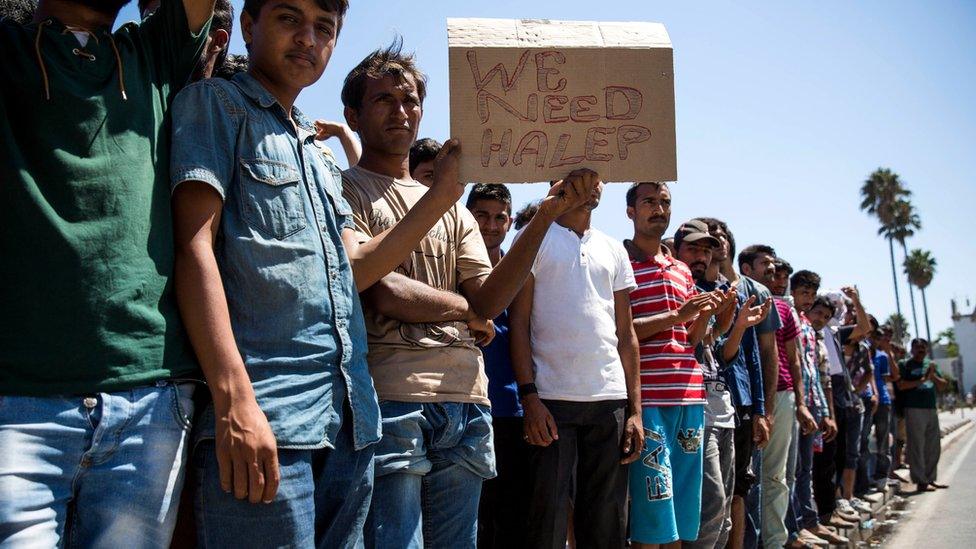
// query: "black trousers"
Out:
[834,457]
[587,455]
[744,447]
[505,499]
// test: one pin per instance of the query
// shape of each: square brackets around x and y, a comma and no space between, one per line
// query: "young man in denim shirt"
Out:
[267,277]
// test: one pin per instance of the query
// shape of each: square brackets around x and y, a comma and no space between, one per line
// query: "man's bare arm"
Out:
[378,256]
[627,348]
[769,357]
[402,298]
[198,12]
[246,449]
[490,296]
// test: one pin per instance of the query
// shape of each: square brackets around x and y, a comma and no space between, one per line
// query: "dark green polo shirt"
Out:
[86,246]
[923,396]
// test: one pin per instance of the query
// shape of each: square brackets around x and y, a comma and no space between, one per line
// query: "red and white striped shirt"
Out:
[669,373]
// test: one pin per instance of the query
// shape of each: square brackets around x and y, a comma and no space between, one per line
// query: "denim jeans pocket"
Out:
[182,395]
[271,197]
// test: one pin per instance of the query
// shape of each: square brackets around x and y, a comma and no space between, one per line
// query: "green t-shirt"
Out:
[924,395]
[86,246]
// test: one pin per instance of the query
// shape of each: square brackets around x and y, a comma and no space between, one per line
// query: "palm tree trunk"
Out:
[911,293]
[894,275]
[928,334]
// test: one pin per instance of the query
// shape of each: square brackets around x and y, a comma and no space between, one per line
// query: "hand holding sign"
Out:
[572,192]
[446,183]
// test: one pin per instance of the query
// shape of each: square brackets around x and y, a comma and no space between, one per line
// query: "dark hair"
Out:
[223,19]
[234,64]
[490,191]
[824,301]
[783,265]
[387,62]
[423,150]
[18,11]
[875,325]
[920,341]
[718,224]
[338,7]
[805,279]
[632,191]
[748,255]
[524,215]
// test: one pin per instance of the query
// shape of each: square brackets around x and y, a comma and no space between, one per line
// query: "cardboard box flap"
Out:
[539,33]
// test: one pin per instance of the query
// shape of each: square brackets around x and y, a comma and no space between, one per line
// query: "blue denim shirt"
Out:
[743,374]
[293,303]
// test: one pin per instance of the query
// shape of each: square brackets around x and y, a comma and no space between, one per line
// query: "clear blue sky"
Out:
[783,109]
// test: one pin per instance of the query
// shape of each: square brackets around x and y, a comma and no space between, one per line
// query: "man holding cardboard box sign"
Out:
[423,320]
[575,358]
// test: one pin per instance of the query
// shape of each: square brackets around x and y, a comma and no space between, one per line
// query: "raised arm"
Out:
[347,138]
[378,256]
[198,12]
[490,296]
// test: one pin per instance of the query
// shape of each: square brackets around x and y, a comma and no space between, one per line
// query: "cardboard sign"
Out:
[532,100]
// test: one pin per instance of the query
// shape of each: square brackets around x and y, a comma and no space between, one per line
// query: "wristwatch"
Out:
[527,389]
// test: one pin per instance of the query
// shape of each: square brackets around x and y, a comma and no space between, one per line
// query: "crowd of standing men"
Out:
[195,294]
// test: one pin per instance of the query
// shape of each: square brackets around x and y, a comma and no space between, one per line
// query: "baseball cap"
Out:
[694,231]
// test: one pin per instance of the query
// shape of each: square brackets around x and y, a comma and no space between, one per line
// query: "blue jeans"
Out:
[803,503]
[322,500]
[101,470]
[753,503]
[430,465]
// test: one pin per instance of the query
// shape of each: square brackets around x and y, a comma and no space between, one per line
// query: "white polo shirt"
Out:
[574,330]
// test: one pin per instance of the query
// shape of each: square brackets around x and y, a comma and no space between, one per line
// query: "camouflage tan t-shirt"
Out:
[429,362]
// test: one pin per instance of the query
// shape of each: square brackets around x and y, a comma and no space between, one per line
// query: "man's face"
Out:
[803,298]
[651,211]
[919,350]
[762,269]
[819,316]
[697,255]
[595,196]
[781,281]
[389,116]
[721,253]
[424,172]
[494,219]
[291,41]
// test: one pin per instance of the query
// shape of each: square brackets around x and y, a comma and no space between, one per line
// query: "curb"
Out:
[877,521]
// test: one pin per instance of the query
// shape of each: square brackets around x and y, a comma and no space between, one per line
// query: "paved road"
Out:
[944,519]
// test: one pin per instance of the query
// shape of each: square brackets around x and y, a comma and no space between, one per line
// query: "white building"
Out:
[965,327]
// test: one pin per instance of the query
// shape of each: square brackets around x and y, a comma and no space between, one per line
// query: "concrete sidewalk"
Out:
[887,506]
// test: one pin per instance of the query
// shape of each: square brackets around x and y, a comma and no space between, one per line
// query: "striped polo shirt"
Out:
[669,373]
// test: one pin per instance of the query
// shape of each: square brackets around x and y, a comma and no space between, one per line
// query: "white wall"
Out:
[965,328]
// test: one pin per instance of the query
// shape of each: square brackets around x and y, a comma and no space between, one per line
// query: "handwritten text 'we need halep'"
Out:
[621,103]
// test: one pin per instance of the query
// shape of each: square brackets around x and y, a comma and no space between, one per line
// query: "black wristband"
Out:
[527,389]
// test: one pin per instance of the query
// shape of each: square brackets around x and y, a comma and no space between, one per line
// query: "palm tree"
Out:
[879,193]
[899,327]
[903,224]
[920,268]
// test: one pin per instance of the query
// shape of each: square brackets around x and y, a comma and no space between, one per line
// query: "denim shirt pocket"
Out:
[271,197]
